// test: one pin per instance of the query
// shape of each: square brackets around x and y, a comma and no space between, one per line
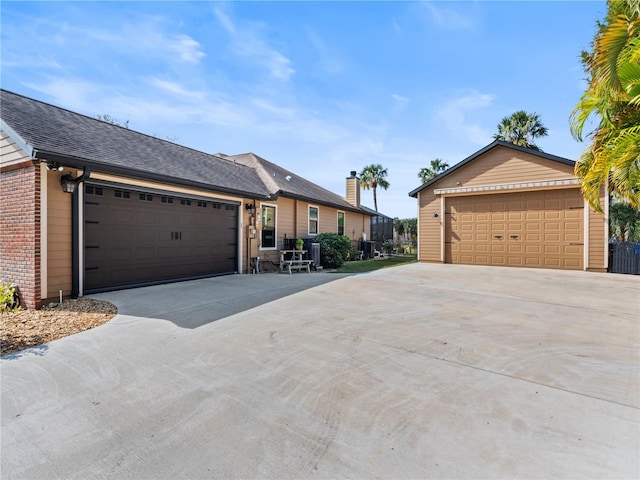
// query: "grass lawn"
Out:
[361,266]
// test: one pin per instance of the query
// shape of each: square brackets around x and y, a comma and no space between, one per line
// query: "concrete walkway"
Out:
[420,371]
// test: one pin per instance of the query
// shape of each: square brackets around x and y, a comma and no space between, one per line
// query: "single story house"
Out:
[88,206]
[510,206]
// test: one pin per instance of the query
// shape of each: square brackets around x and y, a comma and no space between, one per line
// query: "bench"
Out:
[295,265]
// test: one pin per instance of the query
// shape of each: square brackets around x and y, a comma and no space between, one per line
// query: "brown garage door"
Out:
[527,229]
[137,238]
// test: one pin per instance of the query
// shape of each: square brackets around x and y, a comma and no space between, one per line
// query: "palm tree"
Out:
[521,128]
[624,222]
[613,94]
[427,173]
[372,177]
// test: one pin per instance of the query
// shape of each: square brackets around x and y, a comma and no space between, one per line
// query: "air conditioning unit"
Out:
[315,254]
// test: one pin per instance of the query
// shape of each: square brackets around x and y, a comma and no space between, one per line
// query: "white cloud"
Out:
[399,98]
[329,60]
[454,114]
[448,18]
[247,42]
[175,88]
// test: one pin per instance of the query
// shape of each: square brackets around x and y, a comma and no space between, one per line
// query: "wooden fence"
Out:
[624,257]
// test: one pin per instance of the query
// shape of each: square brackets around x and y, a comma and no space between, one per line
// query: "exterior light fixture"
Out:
[69,184]
[250,207]
[55,166]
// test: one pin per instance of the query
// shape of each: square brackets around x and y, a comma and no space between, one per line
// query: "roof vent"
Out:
[288,178]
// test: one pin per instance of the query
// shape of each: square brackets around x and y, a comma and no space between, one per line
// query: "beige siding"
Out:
[353,191]
[429,228]
[59,237]
[10,152]
[355,224]
[598,240]
[165,186]
[504,165]
[501,166]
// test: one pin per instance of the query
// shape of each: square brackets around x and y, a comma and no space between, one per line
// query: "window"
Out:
[340,223]
[268,235]
[121,194]
[313,220]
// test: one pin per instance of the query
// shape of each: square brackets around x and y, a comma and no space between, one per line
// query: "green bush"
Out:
[8,298]
[334,249]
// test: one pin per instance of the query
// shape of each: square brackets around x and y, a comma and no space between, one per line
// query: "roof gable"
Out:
[51,133]
[494,145]
[288,184]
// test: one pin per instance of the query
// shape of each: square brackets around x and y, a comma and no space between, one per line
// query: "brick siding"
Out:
[20,230]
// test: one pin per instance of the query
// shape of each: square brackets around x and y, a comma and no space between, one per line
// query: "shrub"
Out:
[9,300]
[334,249]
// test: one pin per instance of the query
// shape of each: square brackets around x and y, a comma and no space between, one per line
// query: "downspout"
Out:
[75,234]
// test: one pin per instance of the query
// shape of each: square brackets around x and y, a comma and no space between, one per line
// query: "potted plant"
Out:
[299,244]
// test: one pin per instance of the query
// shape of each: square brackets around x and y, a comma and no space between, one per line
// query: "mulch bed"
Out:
[30,328]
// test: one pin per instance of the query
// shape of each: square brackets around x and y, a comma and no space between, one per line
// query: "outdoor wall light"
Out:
[251,208]
[55,166]
[69,184]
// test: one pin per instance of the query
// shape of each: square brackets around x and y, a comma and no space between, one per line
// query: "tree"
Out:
[427,173]
[372,177]
[612,96]
[624,222]
[113,121]
[521,128]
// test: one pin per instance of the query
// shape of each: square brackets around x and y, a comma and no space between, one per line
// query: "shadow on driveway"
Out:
[194,303]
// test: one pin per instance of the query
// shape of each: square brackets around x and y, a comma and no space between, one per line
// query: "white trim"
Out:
[442,227]
[506,186]
[44,231]
[275,229]
[418,229]
[19,141]
[309,219]
[344,218]
[585,242]
[606,225]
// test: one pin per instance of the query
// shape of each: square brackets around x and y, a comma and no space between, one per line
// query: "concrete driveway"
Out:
[421,371]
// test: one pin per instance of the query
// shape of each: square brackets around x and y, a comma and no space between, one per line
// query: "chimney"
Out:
[353,189]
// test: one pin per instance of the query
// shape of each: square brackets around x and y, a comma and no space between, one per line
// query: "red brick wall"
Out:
[20,230]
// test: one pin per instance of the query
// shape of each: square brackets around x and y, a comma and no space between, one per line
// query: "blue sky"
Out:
[320,88]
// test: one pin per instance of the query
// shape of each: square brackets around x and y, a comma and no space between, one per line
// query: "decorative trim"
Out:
[442,229]
[44,231]
[507,186]
[585,233]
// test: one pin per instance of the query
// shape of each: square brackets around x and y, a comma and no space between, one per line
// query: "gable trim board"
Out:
[508,205]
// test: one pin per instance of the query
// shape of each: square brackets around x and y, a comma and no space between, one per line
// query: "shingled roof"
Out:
[51,133]
[288,184]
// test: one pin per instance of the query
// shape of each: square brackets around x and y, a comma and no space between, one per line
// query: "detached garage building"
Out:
[507,205]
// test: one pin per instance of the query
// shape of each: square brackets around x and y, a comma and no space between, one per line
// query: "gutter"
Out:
[137,174]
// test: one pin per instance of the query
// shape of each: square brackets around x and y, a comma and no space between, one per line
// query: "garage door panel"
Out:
[536,229]
[149,238]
